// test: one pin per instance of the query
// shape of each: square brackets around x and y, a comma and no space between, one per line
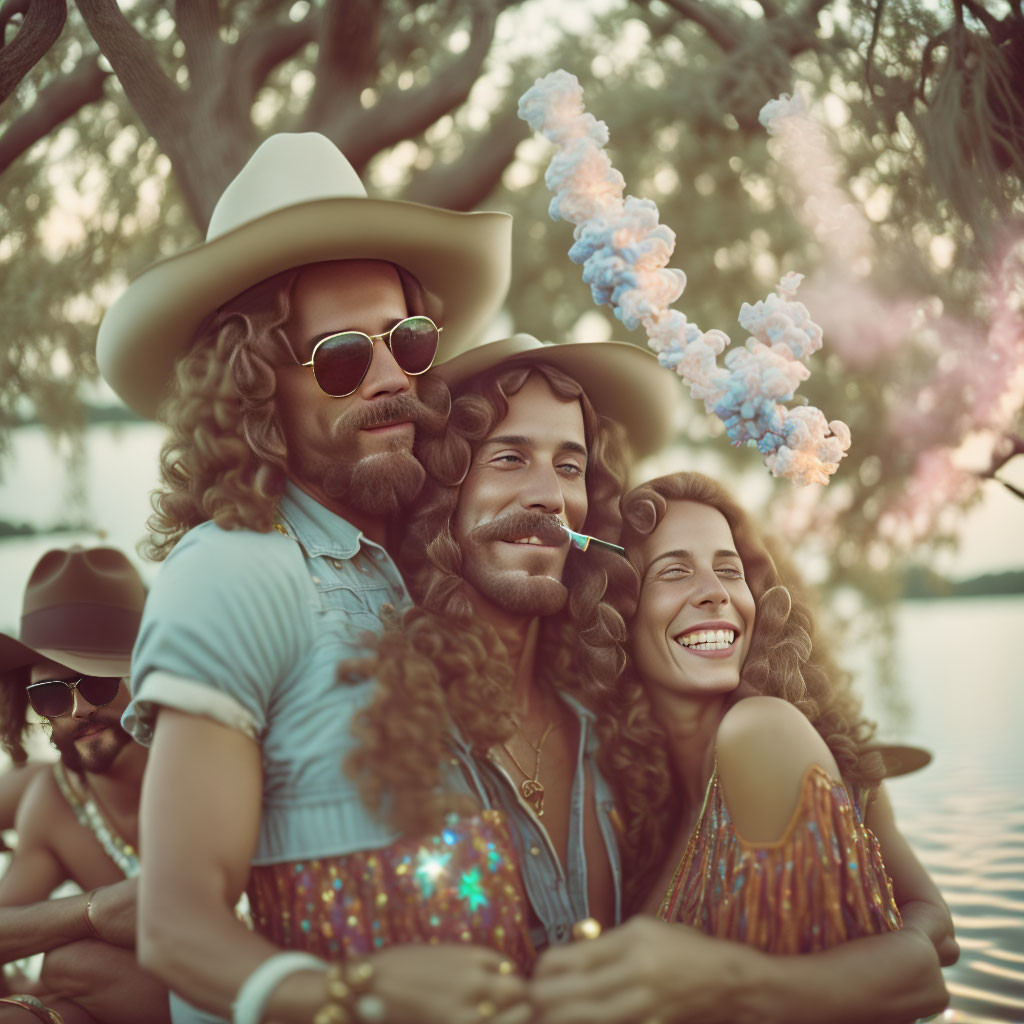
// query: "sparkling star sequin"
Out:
[471,889]
[430,866]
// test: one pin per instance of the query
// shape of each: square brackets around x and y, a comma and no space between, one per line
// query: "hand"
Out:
[113,910]
[643,971]
[449,984]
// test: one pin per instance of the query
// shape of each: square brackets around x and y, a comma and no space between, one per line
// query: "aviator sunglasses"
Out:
[52,698]
[340,361]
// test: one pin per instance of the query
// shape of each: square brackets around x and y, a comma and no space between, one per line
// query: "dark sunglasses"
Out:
[341,361]
[52,698]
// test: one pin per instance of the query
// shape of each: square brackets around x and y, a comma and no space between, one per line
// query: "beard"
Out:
[99,755]
[379,483]
[525,589]
[376,485]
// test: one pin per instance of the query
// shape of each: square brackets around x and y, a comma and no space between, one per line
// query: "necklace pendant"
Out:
[533,793]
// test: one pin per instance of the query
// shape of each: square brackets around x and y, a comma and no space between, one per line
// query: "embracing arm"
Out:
[200,816]
[920,902]
[651,969]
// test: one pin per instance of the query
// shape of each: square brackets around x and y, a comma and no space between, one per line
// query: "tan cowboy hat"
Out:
[82,608]
[298,201]
[623,382]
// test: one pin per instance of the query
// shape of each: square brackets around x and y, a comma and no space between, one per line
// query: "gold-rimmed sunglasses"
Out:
[341,360]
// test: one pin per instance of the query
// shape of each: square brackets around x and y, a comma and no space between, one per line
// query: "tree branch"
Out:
[348,41]
[468,181]
[156,99]
[198,25]
[261,50]
[360,134]
[1008,447]
[42,24]
[54,105]
[721,29]
[8,12]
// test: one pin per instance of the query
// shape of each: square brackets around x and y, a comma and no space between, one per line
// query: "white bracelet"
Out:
[252,996]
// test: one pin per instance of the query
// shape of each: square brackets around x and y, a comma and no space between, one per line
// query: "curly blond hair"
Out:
[226,458]
[786,659]
[439,664]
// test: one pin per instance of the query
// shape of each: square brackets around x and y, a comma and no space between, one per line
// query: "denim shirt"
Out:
[559,897]
[248,628]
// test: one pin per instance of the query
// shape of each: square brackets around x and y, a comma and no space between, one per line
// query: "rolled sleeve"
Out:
[226,621]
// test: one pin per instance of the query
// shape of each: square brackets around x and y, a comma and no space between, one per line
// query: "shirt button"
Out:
[336,563]
[387,607]
[453,761]
[315,579]
[534,851]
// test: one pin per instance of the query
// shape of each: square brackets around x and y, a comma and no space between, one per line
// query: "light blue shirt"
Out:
[249,628]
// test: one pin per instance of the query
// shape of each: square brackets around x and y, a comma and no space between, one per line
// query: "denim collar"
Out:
[319,530]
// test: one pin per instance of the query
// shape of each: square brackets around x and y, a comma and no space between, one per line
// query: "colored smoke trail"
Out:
[625,251]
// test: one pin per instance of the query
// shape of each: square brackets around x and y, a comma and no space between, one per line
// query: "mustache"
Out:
[516,525]
[400,408]
[71,737]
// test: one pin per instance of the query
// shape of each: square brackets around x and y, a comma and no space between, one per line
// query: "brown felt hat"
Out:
[623,382]
[298,201]
[82,609]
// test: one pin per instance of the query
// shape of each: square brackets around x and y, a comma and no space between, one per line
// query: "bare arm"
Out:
[29,921]
[200,817]
[920,902]
[106,983]
[648,968]
[13,784]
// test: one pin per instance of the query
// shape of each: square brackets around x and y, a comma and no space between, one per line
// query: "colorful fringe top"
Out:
[461,885]
[819,885]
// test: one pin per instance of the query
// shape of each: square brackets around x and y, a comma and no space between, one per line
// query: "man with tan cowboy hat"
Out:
[286,353]
[79,820]
[510,556]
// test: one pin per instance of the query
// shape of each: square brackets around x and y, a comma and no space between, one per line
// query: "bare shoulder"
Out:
[765,746]
[41,809]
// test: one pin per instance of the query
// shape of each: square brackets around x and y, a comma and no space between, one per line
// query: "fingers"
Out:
[626,1006]
[580,956]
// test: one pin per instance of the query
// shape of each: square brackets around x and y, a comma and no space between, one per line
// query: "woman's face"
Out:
[695,617]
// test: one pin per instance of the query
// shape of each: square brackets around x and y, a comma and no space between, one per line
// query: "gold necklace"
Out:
[531,787]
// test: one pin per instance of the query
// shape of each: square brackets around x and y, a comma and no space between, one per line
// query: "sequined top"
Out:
[821,884]
[119,850]
[460,885]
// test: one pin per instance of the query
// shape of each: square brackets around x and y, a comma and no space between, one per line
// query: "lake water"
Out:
[961,669]
[960,666]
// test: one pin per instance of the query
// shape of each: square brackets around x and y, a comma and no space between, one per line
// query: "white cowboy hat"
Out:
[623,382]
[298,201]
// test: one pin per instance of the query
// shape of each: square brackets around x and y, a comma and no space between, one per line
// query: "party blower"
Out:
[582,541]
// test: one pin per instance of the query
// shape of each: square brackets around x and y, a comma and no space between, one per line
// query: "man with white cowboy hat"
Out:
[78,820]
[285,353]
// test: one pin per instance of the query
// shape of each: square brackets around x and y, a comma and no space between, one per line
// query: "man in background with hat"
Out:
[77,821]
[286,355]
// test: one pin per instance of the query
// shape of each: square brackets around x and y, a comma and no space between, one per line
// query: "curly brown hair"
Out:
[438,663]
[14,711]
[786,659]
[226,458]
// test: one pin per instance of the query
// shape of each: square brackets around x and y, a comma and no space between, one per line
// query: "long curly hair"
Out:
[438,663]
[786,658]
[14,711]
[226,458]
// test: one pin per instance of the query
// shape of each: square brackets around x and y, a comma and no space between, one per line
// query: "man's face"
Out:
[88,738]
[528,473]
[356,449]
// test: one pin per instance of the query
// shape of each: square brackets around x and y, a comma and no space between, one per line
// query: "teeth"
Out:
[529,540]
[708,640]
